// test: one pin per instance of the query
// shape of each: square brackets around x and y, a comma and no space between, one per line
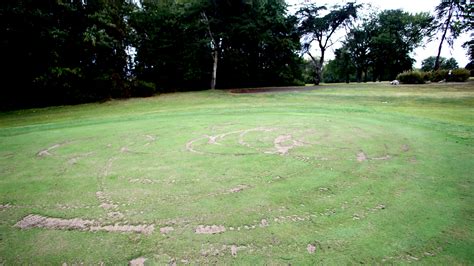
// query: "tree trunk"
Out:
[215,51]
[448,21]
[319,68]
[215,55]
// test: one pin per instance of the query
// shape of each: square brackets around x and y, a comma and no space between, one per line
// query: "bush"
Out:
[411,77]
[417,77]
[439,75]
[458,75]
[143,88]
[426,76]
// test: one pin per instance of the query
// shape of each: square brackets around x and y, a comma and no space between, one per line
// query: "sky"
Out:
[411,6]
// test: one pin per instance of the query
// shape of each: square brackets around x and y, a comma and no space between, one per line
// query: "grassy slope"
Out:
[414,206]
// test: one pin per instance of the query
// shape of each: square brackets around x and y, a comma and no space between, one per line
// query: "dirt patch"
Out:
[74,159]
[189,145]
[238,188]
[38,221]
[233,250]
[108,167]
[361,156]
[46,152]
[405,148]
[115,215]
[284,143]
[275,89]
[383,158]
[141,180]
[210,229]
[311,248]
[107,206]
[166,230]
[150,139]
[137,262]
[245,132]
[214,140]
[5,206]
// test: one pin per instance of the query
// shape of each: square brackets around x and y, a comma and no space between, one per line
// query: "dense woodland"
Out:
[75,51]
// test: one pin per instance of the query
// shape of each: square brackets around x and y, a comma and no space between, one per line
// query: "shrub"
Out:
[143,88]
[439,75]
[411,77]
[426,76]
[458,75]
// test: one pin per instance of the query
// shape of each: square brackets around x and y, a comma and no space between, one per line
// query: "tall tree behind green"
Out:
[395,36]
[319,28]
[253,42]
[358,46]
[450,15]
[63,51]
[428,63]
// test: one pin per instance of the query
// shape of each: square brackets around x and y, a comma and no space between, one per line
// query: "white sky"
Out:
[412,6]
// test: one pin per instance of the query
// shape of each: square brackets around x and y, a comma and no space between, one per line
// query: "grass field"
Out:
[359,173]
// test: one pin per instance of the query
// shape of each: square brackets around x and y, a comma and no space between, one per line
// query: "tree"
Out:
[428,64]
[63,52]
[449,14]
[253,42]
[215,46]
[396,34]
[358,46]
[340,69]
[321,28]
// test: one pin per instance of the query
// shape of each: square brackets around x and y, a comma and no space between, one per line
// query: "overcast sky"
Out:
[412,6]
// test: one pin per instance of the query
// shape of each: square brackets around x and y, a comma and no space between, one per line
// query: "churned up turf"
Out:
[338,174]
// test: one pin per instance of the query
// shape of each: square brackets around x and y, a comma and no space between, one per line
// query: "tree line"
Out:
[75,51]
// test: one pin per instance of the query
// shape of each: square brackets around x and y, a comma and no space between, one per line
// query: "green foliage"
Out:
[61,52]
[439,75]
[381,47]
[411,77]
[315,26]
[340,69]
[395,35]
[142,88]
[256,44]
[428,64]
[458,75]
[420,77]
[75,51]
[452,19]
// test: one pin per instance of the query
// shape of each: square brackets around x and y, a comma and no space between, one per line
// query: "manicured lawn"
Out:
[358,173]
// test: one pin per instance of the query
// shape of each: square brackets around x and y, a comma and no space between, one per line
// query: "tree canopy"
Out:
[74,51]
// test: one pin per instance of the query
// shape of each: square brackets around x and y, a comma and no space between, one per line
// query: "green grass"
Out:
[410,201]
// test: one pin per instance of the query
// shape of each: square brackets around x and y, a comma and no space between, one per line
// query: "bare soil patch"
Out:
[311,248]
[38,221]
[383,158]
[405,148]
[137,262]
[233,250]
[275,89]
[210,229]
[238,188]
[166,230]
[46,152]
[361,156]
[284,143]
